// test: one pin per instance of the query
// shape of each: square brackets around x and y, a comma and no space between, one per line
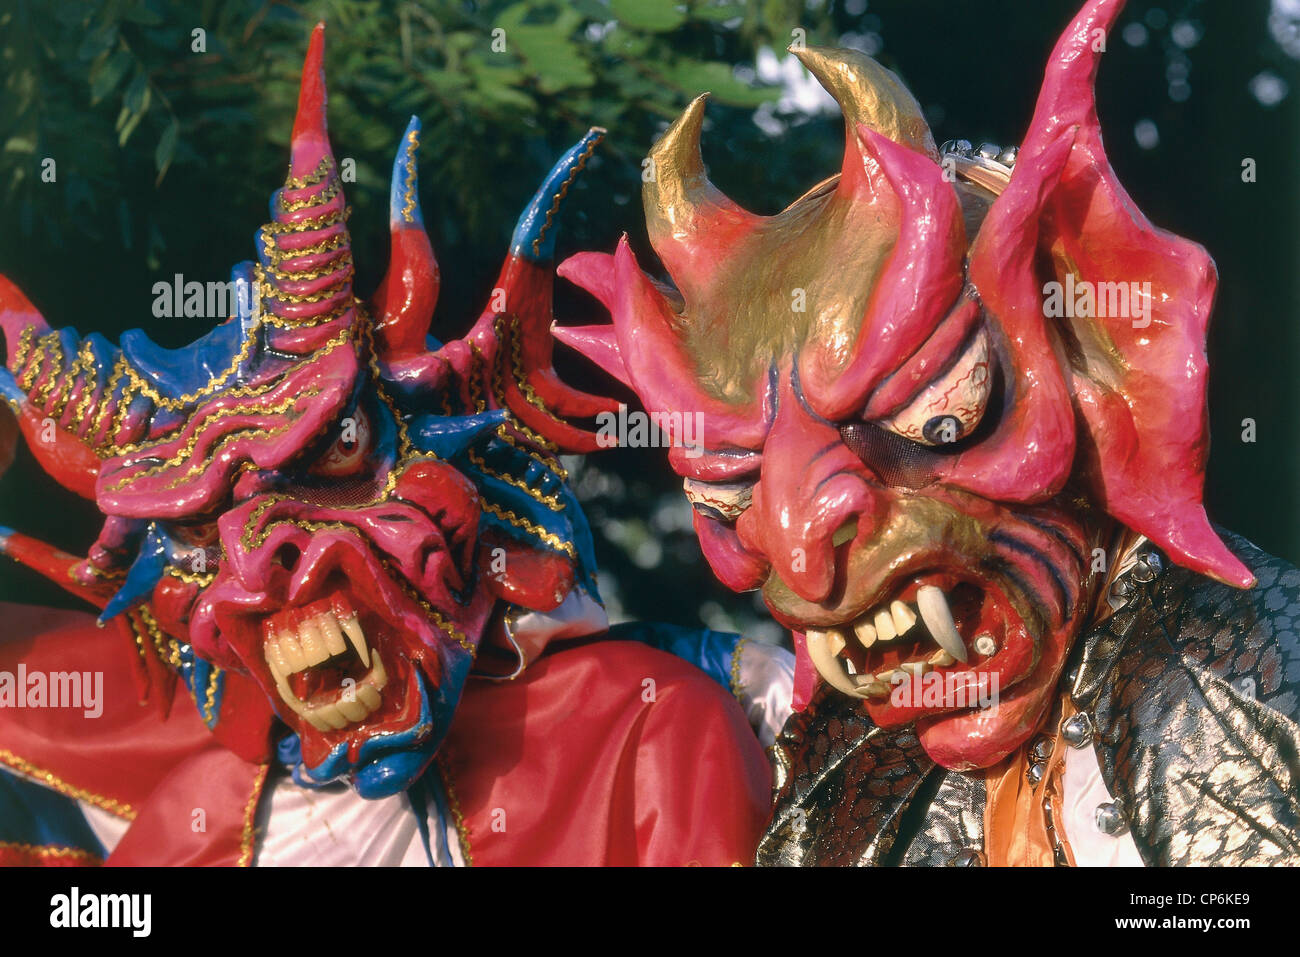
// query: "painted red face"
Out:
[997,360]
[316,512]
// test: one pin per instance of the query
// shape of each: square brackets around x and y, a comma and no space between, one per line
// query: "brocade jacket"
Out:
[1189,693]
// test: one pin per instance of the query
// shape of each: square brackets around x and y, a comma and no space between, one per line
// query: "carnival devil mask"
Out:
[929,389]
[318,508]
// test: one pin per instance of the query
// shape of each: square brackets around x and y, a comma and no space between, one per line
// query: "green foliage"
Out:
[129,97]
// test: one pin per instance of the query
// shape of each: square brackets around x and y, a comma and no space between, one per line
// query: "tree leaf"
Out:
[166,149]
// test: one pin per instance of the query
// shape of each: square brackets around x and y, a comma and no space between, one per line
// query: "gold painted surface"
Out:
[742,276]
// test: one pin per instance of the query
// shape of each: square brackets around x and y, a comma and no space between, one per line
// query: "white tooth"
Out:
[885,626]
[368,696]
[358,638]
[871,687]
[904,617]
[888,676]
[850,667]
[938,619]
[986,645]
[941,659]
[292,652]
[831,668]
[312,642]
[865,631]
[332,633]
[916,668]
[377,678]
[275,657]
[331,715]
[295,703]
[353,710]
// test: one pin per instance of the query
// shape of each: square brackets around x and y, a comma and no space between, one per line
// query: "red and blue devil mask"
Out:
[317,511]
[932,387]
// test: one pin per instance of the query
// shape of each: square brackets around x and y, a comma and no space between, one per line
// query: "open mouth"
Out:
[965,630]
[322,665]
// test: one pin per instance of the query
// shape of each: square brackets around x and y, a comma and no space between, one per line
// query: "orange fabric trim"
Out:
[1015,822]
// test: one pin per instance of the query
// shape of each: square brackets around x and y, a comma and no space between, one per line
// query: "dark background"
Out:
[166,157]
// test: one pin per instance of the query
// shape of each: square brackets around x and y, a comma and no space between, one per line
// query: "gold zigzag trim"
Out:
[462,829]
[408,207]
[518,521]
[247,838]
[324,169]
[318,199]
[24,346]
[187,449]
[51,780]
[564,189]
[551,501]
[203,579]
[45,852]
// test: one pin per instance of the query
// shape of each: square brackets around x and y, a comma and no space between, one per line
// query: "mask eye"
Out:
[348,453]
[951,407]
[718,501]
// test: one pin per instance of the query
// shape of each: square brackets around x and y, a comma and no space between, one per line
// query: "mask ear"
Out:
[1134,303]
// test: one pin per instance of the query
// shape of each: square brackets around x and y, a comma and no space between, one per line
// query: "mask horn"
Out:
[870,96]
[404,302]
[305,251]
[690,221]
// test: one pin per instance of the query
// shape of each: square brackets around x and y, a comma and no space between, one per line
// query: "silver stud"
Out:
[1035,773]
[1042,749]
[1122,587]
[1110,819]
[967,857]
[989,151]
[1147,568]
[1078,730]
[1008,156]
[963,147]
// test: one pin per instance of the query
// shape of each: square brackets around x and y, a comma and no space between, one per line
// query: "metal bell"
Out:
[1110,819]
[1078,730]
[967,857]
[1042,749]
[1035,773]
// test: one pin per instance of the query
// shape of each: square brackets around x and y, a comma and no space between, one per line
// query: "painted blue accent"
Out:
[242,275]
[569,524]
[33,814]
[449,436]
[710,651]
[144,573]
[175,372]
[196,672]
[532,224]
[443,807]
[289,750]
[401,179]
[9,387]
[388,764]
[5,533]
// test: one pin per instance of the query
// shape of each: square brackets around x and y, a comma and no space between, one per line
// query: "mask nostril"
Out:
[287,556]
